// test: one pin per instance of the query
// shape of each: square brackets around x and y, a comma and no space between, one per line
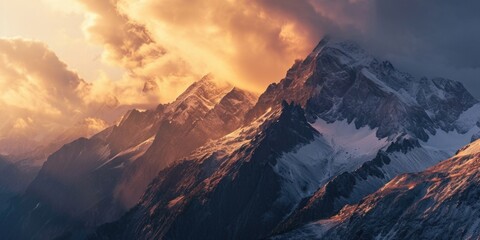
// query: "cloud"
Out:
[253,42]
[427,38]
[126,42]
[34,79]
[433,38]
[164,46]
[169,44]
[130,45]
[246,42]
[41,98]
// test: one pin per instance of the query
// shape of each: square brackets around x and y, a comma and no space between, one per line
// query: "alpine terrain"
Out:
[338,127]
[94,180]
[438,203]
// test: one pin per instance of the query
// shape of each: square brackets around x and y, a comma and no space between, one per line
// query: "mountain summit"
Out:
[338,127]
[92,181]
[219,164]
[341,81]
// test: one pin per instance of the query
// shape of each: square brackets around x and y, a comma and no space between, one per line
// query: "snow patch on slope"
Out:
[469,118]
[305,169]
[415,160]
[353,54]
[232,141]
[340,147]
[352,146]
[403,95]
[136,151]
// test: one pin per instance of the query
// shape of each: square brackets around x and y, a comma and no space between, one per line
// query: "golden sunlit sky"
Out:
[58,23]
[171,43]
[68,61]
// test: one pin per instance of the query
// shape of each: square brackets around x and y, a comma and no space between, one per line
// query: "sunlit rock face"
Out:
[232,179]
[205,111]
[340,81]
[95,180]
[439,203]
[355,123]
[217,163]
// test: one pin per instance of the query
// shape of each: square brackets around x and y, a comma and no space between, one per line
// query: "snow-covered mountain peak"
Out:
[341,81]
[200,97]
[208,89]
[346,51]
[338,127]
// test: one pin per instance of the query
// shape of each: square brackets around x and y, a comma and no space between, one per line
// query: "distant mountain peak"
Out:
[323,42]
[201,96]
[209,77]
[339,78]
[210,80]
[347,51]
[208,87]
[338,127]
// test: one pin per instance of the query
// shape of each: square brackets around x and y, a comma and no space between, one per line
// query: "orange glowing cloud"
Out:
[170,43]
[42,99]
[240,41]
[162,47]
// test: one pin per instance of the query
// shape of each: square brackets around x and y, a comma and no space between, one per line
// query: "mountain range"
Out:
[438,203]
[346,146]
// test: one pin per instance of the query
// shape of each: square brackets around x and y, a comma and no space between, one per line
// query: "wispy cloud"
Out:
[41,97]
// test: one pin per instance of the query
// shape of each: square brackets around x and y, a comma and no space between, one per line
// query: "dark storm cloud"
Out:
[429,37]
[449,29]
[433,38]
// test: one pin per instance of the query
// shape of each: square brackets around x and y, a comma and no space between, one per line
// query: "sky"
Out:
[64,61]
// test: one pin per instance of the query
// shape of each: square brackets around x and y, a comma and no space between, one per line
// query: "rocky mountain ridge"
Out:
[359,123]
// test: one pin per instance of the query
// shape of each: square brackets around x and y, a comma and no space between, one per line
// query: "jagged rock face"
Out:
[85,171]
[400,104]
[335,194]
[394,117]
[350,187]
[359,122]
[228,115]
[134,128]
[218,195]
[446,104]
[206,113]
[439,203]
[80,186]
[340,81]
